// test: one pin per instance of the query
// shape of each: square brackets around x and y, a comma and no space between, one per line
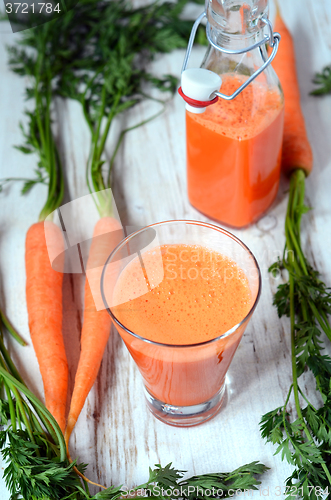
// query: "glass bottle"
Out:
[234,146]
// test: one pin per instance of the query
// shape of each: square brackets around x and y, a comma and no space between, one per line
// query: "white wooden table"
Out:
[115,433]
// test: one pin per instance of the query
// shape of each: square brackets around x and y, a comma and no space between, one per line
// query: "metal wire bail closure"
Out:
[272,38]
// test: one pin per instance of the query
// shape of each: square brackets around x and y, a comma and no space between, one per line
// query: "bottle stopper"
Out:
[197,88]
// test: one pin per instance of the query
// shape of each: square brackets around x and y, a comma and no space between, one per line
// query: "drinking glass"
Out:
[184,382]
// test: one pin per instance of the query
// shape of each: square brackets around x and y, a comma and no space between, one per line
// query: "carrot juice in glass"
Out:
[181,297]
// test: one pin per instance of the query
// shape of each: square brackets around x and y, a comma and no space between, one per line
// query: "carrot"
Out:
[96,323]
[44,304]
[297,152]
[44,284]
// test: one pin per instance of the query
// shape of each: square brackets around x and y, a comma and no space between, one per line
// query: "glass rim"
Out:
[196,223]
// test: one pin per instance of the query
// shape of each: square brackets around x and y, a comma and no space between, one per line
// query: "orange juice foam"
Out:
[203,295]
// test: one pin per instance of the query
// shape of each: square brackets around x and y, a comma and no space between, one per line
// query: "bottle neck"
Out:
[231,41]
[237,17]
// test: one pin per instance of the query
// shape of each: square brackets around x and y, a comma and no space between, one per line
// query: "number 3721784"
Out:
[34,8]
[294,491]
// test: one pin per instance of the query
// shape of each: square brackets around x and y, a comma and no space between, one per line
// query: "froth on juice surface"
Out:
[202,296]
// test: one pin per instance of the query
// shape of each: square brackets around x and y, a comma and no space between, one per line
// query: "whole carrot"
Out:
[44,304]
[96,323]
[43,49]
[297,151]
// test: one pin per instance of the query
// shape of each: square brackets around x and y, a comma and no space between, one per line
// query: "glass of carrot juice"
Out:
[181,294]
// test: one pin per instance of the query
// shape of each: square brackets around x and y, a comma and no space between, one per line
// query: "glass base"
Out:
[185,416]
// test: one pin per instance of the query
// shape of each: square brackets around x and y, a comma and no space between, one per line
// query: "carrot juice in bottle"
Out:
[234,146]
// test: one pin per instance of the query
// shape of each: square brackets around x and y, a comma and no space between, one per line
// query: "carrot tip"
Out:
[82,475]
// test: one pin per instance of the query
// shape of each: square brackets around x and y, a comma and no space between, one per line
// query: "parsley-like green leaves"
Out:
[240,479]
[304,440]
[323,80]
[33,474]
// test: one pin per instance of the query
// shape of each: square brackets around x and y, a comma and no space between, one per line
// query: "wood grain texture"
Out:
[115,434]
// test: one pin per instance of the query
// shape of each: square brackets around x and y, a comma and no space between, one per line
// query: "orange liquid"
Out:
[203,295]
[234,153]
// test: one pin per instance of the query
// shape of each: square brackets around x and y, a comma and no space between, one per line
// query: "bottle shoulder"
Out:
[241,66]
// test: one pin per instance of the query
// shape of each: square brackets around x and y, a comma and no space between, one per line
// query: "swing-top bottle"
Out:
[234,146]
